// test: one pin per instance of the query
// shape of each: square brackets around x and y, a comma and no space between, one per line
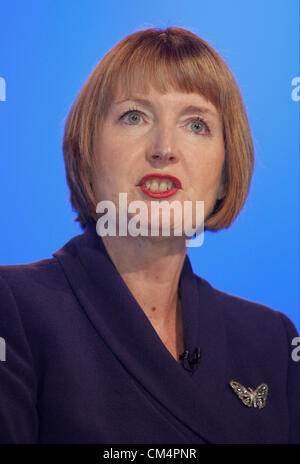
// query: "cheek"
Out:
[205,175]
[107,163]
[207,178]
[110,173]
[113,154]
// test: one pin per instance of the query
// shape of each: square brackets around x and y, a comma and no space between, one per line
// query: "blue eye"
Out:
[134,117]
[202,127]
[133,114]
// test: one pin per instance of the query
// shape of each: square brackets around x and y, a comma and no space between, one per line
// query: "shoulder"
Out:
[36,307]
[10,271]
[33,293]
[24,279]
[249,319]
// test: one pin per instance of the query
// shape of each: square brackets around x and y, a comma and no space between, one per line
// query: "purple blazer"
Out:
[84,364]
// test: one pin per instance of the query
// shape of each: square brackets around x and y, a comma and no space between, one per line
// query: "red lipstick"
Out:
[164,194]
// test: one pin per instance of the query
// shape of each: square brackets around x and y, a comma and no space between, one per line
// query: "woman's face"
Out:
[176,134]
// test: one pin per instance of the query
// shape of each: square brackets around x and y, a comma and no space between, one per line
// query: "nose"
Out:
[165,156]
[163,150]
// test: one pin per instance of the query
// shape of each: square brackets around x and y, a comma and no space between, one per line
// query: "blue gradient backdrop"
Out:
[47,51]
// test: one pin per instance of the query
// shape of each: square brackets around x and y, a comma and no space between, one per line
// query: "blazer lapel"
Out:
[195,400]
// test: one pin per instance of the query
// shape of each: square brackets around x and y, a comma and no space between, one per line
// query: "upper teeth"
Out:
[159,185]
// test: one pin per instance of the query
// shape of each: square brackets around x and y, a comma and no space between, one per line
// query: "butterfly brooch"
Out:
[250,397]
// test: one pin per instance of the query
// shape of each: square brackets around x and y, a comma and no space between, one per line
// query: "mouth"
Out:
[159,185]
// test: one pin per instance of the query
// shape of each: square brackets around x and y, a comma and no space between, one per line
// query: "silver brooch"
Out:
[250,397]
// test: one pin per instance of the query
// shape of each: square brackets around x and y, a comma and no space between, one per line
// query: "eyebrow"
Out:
[185,110]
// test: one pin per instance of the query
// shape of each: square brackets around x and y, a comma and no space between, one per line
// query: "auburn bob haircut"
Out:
[169,59]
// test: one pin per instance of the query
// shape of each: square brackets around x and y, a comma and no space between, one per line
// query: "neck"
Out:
[151,268]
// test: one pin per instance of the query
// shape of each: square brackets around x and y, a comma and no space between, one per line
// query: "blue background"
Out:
[47,51]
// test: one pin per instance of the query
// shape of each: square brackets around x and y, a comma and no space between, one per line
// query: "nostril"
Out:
[163,155]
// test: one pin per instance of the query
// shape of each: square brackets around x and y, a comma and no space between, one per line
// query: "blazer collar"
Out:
[194,399]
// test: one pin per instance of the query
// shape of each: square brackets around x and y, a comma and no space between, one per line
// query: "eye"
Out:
[134,116]
[200,126]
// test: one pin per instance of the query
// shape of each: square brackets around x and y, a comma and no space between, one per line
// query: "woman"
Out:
[115,339]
